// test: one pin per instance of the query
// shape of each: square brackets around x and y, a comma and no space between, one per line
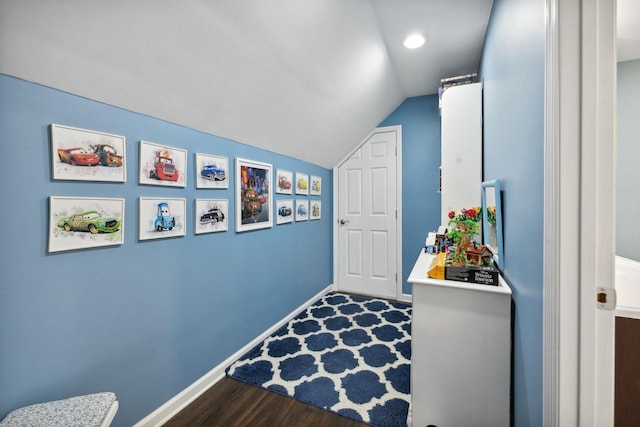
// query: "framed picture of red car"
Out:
[212,215]
[85,222]
[162,165]
[87,155]
[284,181]
[162,217]
[212,171]
[253,195]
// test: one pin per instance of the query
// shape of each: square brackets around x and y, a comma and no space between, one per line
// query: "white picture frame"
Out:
[160,218]
[302,183]
[162,165]
[85,222]
[211,215]
[87,155]
[284,211]
[302,210]
[254,193]
[315,209]
[211,171]
[315,185]
[284,181]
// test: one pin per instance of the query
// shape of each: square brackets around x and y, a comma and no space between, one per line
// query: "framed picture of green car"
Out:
[85,222]
[87,155]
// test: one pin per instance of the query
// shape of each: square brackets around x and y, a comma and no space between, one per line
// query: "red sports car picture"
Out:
[78,156]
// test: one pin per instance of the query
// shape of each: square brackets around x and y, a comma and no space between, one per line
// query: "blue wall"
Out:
[420,122]
[627,155]
[512,71]
[144,319]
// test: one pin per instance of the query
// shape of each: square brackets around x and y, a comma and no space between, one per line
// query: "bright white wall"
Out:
[628,161]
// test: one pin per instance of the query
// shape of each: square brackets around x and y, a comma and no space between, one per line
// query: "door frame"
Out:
[579,213]
[400,296]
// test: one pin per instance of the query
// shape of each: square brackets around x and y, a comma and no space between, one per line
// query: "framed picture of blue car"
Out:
[284,209]
[212,171]
[162,217]
[85,222]
[302,210]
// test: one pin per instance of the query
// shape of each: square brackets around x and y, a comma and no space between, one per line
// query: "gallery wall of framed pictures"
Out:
[78,222]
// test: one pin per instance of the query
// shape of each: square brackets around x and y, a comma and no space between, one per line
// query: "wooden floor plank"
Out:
[231,403]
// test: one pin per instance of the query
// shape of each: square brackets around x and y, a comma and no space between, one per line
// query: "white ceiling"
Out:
[308,79]
[304,78]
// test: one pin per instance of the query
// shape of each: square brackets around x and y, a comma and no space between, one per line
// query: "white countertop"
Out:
[419,276]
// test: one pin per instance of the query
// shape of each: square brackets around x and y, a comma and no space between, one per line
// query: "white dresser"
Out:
[461,351]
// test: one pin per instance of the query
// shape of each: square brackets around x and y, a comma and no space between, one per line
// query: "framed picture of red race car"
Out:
[87,155]
[85,222]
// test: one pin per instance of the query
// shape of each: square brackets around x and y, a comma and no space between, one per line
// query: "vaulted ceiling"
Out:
[308,79]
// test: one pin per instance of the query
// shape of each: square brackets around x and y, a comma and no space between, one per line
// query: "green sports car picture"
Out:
[90,221]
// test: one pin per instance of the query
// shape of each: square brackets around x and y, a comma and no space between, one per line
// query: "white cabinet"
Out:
[461,351]
[461,148]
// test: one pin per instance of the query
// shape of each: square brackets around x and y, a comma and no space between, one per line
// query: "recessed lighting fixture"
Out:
[414,41]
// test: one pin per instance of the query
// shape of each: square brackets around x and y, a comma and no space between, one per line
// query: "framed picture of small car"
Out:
[87,155]
[162,217]
[284,180]
[211,215]
[162,165]
[85,222]
[316,209]
[302,210]
[253,195]
[212,171]
[315,188]
[302,183]
[284,209]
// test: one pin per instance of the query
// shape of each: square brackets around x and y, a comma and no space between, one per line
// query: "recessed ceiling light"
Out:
[414,41]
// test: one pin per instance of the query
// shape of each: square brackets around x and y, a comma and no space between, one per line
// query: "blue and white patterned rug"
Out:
[350,355]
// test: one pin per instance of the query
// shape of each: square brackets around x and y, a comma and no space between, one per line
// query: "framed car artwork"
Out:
[284,181]
[302,210]
[162,217]
[284,209]
[316,209]
[212,171]
[315,188]
[162,165]
[87,155]
[85,222]
[302,183]
[253,195]
[211,215]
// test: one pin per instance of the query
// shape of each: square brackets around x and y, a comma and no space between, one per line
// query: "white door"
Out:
[365,188]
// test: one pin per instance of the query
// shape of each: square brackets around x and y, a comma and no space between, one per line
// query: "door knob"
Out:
[343,222]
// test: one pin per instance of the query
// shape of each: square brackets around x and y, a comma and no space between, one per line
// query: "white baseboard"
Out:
[180,401]
[406,298]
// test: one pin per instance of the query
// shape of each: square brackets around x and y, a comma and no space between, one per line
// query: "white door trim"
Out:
[398,130]
[579,212]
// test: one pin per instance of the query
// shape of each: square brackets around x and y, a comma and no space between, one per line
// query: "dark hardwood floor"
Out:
[231,403]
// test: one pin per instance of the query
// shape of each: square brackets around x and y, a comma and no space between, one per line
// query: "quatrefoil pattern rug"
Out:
[350,355]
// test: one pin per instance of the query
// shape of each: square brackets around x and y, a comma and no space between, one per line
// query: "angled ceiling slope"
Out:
[308,79]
